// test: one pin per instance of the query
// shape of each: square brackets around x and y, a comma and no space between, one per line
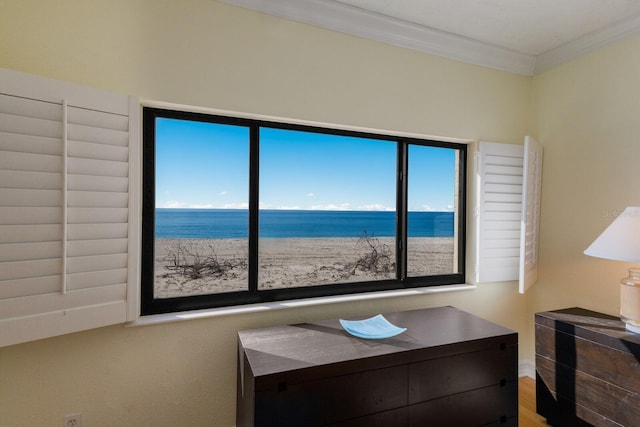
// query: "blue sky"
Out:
[204,165]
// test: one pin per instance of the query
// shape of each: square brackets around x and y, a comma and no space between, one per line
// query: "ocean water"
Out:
[233,223]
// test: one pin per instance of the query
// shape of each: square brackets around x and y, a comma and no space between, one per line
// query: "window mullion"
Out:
[147,294]
[401,211]
[461,209]
[254,204]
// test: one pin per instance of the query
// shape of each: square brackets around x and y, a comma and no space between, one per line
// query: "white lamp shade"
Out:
[621,240]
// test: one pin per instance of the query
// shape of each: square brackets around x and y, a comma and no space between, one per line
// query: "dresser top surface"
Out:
[281,348]
[597,327]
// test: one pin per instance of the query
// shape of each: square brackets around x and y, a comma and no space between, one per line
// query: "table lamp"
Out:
[621,242]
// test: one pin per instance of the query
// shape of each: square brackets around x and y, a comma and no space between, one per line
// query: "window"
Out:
[238,211]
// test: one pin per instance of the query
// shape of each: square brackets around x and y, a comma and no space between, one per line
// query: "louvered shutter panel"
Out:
[65,216]
[530,217]
[500,168]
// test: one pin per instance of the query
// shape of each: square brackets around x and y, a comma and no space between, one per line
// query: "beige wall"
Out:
[587,116]
[203,53]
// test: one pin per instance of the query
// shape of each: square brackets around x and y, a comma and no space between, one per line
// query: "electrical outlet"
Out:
[73,420]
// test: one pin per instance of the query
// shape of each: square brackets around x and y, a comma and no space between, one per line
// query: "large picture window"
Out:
[238,211]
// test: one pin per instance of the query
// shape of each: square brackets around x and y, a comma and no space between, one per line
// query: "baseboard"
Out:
[526,368]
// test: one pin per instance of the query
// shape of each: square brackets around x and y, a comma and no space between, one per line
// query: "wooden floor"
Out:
[527,404]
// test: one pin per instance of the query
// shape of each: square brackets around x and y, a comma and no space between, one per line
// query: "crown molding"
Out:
[359,22]
[348,19]
[587,44]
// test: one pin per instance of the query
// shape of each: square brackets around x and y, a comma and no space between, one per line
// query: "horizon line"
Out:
[307,210]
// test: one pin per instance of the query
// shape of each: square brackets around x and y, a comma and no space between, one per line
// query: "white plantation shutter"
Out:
[530,216]
[509,186]
[68,158]
[500,168]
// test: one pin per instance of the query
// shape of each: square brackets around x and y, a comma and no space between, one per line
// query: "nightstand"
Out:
[587,369]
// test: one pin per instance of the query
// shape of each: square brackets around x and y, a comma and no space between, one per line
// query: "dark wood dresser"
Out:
[587,369]
[449,368]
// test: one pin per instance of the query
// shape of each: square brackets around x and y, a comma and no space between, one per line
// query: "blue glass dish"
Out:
[375,327]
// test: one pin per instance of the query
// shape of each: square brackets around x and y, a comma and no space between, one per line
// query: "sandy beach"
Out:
[203,266]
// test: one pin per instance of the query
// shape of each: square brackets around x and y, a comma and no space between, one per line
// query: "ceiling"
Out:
[520,36]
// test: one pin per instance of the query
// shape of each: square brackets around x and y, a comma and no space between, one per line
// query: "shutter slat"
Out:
[504,179]
[492,217]
[88,150]
[97,247]
[502,243]
[97,167]
[52,302]
[98,119]
[510,154]
[30,180]
[96,279]
[503,198]
[503,225]
[45,324]
[102,215]
[32,268]
[30,144]
[502,234]
[30,251]
[29,126]
[503,188]
[503,266]
[30,286]
[28,197]
[84,264]
[506,170]
[504,262]
[97,183]
[503,207]
[513,252]
[98,135]
[96,231]
[30,233]
[97,199]
[26,107]
[30,162]
[30,215]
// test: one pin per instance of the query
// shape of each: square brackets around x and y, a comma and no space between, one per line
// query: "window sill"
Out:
[278,305]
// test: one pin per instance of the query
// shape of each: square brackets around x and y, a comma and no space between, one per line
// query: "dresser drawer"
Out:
[583,390]
[489,405]
[394,418]
[608,364]
[444,376]
[330,400]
